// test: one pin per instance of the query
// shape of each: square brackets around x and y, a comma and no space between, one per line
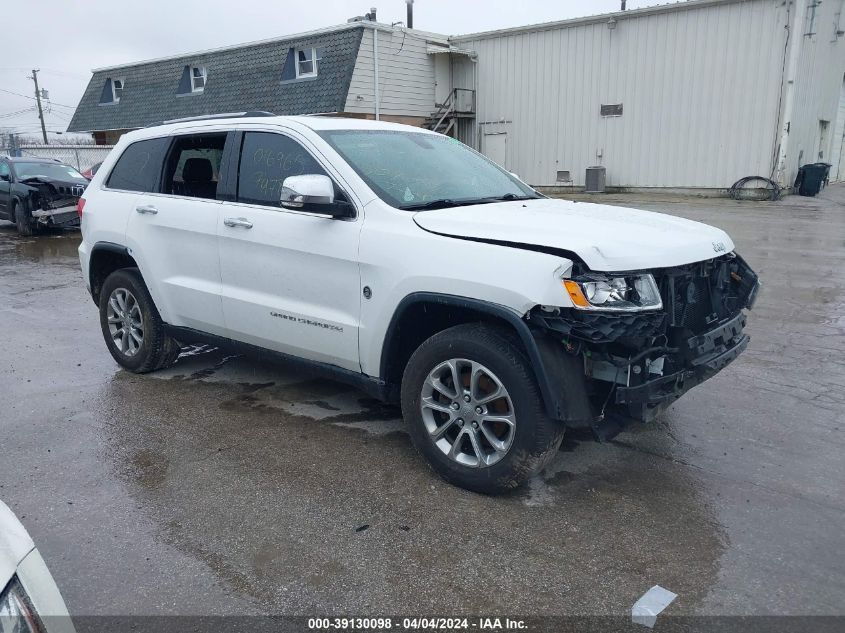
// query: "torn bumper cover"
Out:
[712,352]
[61,216]
[53,203]
[636,364]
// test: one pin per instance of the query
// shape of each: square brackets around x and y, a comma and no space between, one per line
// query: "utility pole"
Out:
[38,101]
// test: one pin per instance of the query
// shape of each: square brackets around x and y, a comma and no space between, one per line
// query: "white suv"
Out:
[406,263]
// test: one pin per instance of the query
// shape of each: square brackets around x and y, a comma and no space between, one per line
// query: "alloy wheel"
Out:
[468,412]
[125,321]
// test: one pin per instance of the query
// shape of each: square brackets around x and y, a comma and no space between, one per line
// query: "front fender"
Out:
[559,375]
[398,259]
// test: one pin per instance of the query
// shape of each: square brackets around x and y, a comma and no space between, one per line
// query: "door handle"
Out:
[146,208]
[242,222]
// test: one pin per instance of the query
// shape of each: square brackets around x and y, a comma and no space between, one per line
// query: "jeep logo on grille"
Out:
[719,247]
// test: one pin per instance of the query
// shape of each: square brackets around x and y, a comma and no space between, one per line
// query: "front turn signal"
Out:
[575,293]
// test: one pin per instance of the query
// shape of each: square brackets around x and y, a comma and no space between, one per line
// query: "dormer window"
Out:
[198,78]
[112,91]
[306,62]
[116,89]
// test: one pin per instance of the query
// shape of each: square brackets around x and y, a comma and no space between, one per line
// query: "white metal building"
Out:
[691,95]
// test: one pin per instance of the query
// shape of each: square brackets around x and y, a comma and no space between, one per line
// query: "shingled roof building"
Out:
[330,71]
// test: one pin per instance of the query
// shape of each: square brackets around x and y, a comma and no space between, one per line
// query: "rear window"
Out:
[139,167]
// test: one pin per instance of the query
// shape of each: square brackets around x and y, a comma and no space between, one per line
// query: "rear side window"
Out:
[266,160]
[139,167]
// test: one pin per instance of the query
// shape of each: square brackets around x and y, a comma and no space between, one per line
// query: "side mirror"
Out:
[313,193]
[5,177]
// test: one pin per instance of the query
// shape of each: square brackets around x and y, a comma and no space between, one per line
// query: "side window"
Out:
[139,167]
[5,174]
[266,160]
[193,166]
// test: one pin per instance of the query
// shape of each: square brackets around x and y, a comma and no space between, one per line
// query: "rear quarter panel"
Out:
[106,212]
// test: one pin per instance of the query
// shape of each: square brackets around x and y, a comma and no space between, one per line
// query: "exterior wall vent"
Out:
[611,109]
[594,180]
[564,176]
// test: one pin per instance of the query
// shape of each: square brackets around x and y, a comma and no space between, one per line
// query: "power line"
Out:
[11,114]
[17,94]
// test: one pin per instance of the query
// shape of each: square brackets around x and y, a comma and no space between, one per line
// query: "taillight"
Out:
[79,206]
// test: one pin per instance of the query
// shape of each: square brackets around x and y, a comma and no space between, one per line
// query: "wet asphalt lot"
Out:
[226,486]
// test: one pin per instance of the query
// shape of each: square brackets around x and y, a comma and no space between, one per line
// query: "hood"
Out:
[606,238]
[15,544]
[61,187]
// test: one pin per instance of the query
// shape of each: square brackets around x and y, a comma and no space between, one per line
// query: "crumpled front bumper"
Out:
[706,354]
[62,216]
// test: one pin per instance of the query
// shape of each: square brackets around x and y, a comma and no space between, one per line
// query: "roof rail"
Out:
[209,117]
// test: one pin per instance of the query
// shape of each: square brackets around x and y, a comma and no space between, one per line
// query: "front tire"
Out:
[489,433]
[23,220]
[131,325]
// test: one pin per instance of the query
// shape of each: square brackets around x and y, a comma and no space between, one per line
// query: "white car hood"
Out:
[607,238]
[15,544]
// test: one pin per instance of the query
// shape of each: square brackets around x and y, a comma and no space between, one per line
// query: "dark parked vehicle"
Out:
[36,192]
[92,170]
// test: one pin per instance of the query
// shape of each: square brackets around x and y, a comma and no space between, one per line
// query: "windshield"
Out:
[51,171]
[414,170]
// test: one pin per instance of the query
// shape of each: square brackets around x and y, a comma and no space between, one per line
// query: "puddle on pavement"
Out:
[56,246]
[264,474]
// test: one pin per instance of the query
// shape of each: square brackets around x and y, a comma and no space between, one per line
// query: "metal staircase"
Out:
[459,104]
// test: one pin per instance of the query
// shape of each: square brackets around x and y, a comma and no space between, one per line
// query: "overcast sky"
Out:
[65,39]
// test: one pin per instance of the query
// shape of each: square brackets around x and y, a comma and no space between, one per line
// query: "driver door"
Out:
[291,281]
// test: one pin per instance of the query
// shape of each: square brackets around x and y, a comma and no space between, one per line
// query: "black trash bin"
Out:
[826,178]
[810,178]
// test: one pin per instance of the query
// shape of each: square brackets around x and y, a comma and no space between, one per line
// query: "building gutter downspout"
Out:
[796,39]
[375,74]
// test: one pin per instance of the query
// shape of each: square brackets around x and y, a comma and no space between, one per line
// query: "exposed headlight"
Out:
[628,293]
[16,611]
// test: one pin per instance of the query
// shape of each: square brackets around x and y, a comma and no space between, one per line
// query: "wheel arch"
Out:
[420,315]
[105,258]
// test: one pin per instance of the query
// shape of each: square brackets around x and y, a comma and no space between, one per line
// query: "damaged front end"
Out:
[636,363]
[53,203]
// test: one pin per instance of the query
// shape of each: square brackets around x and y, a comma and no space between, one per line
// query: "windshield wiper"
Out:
[443,203]
[511,196]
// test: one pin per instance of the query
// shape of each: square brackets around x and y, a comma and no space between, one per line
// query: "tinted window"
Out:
[266,160]
[4,169]
[139,167]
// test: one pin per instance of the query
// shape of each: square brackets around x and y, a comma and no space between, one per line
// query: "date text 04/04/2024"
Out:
[381,624]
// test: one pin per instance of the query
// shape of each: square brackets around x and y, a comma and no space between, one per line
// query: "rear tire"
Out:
[131,325]
[450,427]
[23,220]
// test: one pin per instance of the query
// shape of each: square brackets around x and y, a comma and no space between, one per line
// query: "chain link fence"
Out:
[80,156]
